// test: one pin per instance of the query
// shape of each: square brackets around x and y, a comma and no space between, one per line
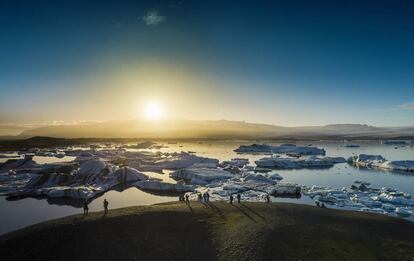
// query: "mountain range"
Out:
[221,129]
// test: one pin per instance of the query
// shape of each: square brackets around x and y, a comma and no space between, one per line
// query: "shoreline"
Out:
[246,231]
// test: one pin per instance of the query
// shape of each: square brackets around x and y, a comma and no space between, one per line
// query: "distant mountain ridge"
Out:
[221,129]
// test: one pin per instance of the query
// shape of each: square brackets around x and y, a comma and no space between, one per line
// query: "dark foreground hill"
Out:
[218,231]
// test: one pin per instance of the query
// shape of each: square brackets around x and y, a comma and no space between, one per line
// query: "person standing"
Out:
[231,199]
[208,196]
[105,204]
[85,208]
[187,198]
[267,198]
[238,198]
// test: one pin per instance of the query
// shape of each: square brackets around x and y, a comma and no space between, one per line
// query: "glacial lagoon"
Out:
[21,212]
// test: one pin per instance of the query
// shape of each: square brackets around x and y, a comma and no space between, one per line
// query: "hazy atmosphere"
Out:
[290,63]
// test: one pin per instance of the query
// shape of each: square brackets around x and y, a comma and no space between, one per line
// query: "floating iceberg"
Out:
[74,192]
[352,146]
[282,149]
[200,176]
[285,189]
[13,164]
[379,162]
[298,163]
[364,198]
[49,180]
[403,212]
[396,142]
[163,186]
[185,160]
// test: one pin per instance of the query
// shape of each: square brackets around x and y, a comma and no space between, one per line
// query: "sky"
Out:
[291,63]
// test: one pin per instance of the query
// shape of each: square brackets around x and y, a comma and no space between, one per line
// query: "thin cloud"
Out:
[153,18]
[407,106]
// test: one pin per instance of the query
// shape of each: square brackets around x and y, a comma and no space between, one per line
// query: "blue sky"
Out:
[282,62]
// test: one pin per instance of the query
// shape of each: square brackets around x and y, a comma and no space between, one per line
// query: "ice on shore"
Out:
[281,149]
[299,163]
[379,162]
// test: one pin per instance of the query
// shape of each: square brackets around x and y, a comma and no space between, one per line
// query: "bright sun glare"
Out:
[153,111]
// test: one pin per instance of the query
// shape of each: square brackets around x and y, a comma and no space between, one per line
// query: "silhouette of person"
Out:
[187,198]
[267,198]
[105,204]
[317,204]
[85,208]
[231,199]
[238,198]
[207,196]
[323,205]
[199,197]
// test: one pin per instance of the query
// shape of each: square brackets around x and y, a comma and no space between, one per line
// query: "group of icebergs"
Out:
[94,172]
[361,197]
[379,162]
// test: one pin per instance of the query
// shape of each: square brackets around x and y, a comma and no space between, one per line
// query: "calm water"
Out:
[21,213]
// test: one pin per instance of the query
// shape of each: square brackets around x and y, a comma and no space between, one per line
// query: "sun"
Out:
[153,111]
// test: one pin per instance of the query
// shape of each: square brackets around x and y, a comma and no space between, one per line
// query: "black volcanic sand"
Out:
[247,231]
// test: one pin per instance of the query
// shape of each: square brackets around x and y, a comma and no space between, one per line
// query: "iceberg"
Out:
[13,164]
[76,192]
[163,186]
[403,212]
[298,163]
[379,162]
[185,160]
[284,189]
[200,176]
[126,174]
[282,149]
